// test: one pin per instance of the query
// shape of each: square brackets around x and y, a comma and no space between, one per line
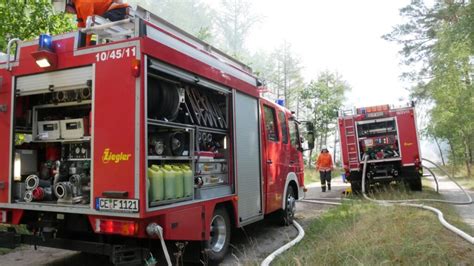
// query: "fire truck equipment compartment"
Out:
[72,128]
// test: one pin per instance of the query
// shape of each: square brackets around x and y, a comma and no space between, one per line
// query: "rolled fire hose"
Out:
[28,196]
[63,190]
[33,181]
[447,225]
[85,94]
[79,180]
[38,194]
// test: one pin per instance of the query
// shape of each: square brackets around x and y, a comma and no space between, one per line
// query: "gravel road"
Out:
[450,191]
[248,245]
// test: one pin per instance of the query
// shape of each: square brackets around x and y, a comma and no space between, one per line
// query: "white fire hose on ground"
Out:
[285,247]
[440,215]
[449,226]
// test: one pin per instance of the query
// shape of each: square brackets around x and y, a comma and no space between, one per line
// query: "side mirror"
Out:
[310,135]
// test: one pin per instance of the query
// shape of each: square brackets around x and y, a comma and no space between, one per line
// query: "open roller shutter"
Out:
[247,150]
[69,79]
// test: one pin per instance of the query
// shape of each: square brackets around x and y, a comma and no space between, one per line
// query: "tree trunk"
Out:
[335,146]
[440,150]
[454,157]
[309,159]
[467,160]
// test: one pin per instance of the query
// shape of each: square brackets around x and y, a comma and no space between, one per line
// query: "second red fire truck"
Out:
[388,138]
[149,134]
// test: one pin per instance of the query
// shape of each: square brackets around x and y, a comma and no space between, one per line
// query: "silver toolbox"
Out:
[48,130]
[72,128]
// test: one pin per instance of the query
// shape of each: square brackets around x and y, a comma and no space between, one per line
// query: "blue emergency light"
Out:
[45,42]
[281,102]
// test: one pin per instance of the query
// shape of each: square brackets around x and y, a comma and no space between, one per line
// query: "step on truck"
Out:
[388,137]
[148,135]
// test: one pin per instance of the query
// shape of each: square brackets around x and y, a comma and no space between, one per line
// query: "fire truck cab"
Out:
[150,134]
[388,138]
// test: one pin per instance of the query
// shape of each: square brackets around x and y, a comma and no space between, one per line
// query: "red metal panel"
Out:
[114,127]
[408,135]
[5,134]
[185,224]
[66,58]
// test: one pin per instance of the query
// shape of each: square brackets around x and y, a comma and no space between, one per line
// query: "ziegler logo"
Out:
[109,156]
[408,143]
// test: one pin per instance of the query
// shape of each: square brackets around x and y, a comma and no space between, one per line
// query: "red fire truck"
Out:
[389,139]
[149,134]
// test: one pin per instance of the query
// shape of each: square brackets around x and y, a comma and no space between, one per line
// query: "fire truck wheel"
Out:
[415,184]
[356,187]
[288,214]
[219,239]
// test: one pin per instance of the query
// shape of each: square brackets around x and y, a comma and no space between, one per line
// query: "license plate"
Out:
[120,205]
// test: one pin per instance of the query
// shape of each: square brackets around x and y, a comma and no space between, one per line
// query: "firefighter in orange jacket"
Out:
[324,166]
[111,9]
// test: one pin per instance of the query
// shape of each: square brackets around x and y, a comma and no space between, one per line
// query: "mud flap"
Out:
[123,255]
[9,239]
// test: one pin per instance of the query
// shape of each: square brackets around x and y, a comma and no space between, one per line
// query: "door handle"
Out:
[292,162]
[269,161]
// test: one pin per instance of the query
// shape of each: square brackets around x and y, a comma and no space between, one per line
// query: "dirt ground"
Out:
[255,242]
[450,191]
[249,245]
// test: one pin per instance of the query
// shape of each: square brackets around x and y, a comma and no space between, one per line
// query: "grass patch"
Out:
[3,251]
[460,176]
[19,228]
[467,183]
[359,232]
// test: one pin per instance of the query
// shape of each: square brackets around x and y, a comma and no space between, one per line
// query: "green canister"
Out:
[170,182]
[179,181]
[188,180]
[157,183]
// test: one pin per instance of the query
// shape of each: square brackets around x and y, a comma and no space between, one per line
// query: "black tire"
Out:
[288,214]
[356,187]
[415,184]
[218,243]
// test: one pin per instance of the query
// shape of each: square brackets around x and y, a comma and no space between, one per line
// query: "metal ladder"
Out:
[107,31]
[351,140]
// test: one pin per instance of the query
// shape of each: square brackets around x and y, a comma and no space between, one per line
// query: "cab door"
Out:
[296,163]
[285,162]
[272,158]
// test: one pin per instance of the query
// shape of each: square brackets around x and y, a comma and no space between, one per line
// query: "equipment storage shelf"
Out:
[188,131]
[52,162]
[169,173]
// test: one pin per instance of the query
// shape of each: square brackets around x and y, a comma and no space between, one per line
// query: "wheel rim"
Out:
[218,233]
[290,206]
